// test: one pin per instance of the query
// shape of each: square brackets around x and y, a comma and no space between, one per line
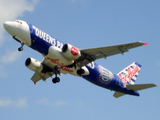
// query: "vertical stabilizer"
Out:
[130,73]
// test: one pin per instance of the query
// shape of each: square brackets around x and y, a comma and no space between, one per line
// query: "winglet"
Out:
[145,44]
[35,83]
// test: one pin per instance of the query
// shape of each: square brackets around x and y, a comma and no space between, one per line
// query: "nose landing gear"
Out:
[19,40]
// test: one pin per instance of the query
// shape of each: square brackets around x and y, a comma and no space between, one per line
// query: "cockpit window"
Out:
[19,21]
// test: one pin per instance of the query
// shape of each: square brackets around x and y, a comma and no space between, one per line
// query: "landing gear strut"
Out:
[56,79]
[21,48]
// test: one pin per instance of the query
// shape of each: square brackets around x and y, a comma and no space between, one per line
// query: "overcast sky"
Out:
[84,24]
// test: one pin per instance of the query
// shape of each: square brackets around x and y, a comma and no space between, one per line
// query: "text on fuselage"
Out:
[47,38]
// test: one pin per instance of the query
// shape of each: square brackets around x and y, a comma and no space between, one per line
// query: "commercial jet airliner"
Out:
[66,58]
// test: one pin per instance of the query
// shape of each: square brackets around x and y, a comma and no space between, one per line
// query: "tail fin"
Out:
[130,73]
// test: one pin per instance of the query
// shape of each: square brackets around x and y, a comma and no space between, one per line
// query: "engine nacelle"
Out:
[70,52]
[34,65]
[83,71]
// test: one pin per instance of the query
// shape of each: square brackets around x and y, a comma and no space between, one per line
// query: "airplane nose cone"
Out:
[7,25]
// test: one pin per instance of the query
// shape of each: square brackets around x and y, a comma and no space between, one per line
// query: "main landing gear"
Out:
[56,79]
[21,48]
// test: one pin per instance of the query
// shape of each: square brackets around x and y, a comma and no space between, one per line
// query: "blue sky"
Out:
[84,24]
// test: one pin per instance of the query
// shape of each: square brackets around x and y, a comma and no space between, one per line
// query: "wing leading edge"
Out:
[104,52]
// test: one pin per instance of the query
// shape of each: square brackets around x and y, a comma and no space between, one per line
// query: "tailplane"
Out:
[138,87]
[135,87]
[130,73]
[128,77]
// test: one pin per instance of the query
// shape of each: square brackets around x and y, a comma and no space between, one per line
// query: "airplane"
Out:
[66,58]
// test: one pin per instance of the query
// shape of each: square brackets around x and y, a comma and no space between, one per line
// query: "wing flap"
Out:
[109,53]
[38,76]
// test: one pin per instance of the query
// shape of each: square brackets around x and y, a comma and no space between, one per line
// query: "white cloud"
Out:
[44,101]
[47,102]
[60,103]
[20,103]
[10,56]
[11,9]
[5,103]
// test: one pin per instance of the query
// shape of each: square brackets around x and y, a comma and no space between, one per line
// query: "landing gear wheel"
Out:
[56,79]
[20,49]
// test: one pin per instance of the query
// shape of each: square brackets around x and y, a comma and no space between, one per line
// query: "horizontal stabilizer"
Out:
[138,87]
[135,87]
[118,94]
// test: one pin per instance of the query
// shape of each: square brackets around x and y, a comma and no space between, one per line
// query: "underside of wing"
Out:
[48,71]
[92,54]
[41,76]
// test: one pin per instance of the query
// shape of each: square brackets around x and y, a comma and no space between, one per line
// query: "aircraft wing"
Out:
[38,76]
[92,54]
[42,76]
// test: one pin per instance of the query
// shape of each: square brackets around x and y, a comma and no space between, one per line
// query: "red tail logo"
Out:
[131,73]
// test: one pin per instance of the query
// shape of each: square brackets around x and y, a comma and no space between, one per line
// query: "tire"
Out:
[20,49]
[55,80]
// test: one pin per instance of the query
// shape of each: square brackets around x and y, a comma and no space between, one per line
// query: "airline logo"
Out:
[130,74]
[74,51]
[56,62]
[106,76]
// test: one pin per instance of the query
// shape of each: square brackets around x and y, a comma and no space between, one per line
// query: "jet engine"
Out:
[70,52]
[83,71]
[34,65]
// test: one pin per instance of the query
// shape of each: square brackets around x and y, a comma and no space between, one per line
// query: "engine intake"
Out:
[83,71]
[34,65]
[70,52]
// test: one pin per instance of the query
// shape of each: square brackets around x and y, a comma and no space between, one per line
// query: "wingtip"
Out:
[145,44]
